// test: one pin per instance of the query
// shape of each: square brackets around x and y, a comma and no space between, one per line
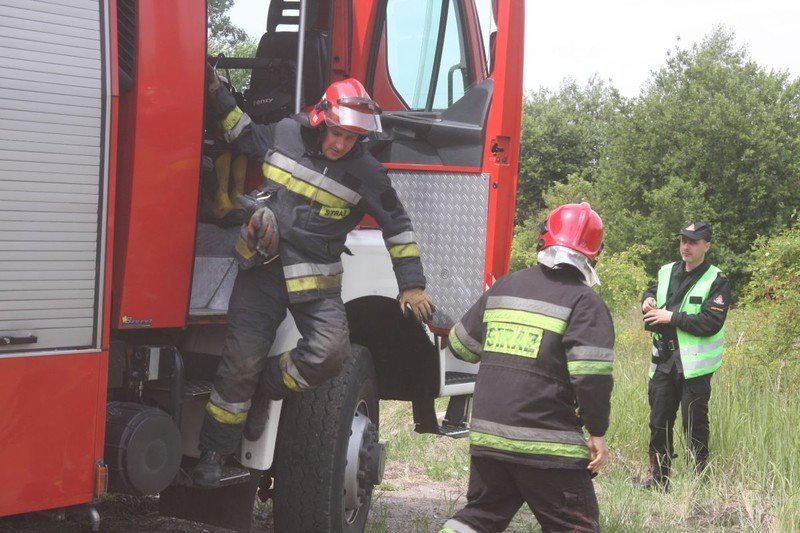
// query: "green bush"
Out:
[622,276]
[770,326]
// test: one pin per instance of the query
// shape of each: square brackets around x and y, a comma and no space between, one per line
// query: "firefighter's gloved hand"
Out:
[257,243]
[419,303]
[261,232]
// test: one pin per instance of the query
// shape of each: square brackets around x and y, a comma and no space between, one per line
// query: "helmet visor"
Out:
[354,119]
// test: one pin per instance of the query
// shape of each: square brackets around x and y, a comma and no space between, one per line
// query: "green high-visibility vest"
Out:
[699,355]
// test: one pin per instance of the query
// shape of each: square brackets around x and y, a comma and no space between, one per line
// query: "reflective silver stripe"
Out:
[231,407]
[294,372]
[314,178]
[234,132]
[591,353]
[702,363]
[312,269]
[469,343]
[522,433]
[700,348]
[524,304]
[407,237]
[458,527]
[653,367]
[654,351]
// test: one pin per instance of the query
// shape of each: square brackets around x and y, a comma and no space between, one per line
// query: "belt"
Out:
[669,345]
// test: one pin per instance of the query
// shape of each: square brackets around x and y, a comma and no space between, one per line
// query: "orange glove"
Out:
[419,303]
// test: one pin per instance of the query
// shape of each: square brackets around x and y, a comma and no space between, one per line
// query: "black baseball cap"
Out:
[697,230]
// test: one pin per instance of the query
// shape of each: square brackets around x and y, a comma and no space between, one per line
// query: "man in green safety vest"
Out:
[545,342]
[686,311]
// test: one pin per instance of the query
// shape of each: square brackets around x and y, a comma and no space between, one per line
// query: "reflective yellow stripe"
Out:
[226,417]
[336,213]
[528,447]
[513,339]
[582,368]
[302,188]
[526,318]
[404,250]
[232,118]
[313,282]
[462,351]
[288,380]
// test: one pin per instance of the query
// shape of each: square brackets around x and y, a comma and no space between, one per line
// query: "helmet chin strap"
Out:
[555,256]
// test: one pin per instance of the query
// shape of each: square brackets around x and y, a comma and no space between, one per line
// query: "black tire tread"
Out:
[308,479]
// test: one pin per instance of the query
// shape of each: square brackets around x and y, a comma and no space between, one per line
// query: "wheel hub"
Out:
[366,458]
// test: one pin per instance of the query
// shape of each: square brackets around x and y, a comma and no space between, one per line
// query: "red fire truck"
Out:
[113,288]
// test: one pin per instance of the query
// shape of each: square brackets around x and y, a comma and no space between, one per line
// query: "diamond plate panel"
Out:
[449,212]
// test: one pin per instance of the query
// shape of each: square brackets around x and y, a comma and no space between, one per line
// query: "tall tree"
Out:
[716,137]
[563,133]
[221,31]
[227,39]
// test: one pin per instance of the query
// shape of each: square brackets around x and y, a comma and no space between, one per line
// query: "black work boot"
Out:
[657,477]
[208,471]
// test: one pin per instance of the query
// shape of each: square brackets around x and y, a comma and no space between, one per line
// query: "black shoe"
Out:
[208,471]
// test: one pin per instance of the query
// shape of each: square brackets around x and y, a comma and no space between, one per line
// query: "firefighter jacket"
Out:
[699,301]
[545,343]
[318,201]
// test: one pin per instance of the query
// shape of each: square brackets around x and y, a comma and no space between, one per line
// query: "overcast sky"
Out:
[626,40]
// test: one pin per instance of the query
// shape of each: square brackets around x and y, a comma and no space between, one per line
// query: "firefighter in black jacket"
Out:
[319,183]
[545,342]
[686,312]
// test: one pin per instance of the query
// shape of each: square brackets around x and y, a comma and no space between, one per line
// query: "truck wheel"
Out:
[327,456]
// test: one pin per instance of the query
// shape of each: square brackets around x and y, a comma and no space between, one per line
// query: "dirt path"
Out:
[406,502]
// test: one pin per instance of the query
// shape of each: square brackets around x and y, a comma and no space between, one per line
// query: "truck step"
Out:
[457,378]
[231,475]
[192,388]
[454,432]
[455,421]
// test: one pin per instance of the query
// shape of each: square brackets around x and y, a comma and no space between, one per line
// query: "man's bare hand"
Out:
[657,316]
[648,304]
[599,451]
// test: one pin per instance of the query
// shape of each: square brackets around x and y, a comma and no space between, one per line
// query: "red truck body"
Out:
[134,276]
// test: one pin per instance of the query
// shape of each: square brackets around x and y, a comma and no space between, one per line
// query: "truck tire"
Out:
[327,456]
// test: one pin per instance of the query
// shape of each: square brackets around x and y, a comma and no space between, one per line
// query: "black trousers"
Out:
[257,307]
[666,392]
[560,498]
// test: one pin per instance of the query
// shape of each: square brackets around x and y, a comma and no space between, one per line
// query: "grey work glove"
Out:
[417,302]
[257,243]
[261,232]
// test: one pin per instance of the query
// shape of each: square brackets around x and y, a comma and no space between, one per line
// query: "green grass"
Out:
[753,479]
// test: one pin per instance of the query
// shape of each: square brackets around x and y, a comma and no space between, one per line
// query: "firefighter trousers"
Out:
[257,307]
[666,391]
[561,499]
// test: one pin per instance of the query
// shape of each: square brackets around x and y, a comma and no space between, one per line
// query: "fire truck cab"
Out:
[114,279]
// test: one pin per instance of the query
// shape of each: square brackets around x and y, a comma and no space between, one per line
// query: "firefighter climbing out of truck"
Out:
[545,342]
[319,183]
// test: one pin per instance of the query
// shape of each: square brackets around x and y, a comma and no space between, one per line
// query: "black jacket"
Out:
[545,343]
[318,201]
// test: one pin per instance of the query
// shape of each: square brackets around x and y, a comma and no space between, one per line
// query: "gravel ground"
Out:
[406,501]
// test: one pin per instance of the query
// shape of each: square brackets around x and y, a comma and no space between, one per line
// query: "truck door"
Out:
[55,108]
[448,74]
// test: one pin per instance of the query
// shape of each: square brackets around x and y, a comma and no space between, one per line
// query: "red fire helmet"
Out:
[575,226]
[347,104]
